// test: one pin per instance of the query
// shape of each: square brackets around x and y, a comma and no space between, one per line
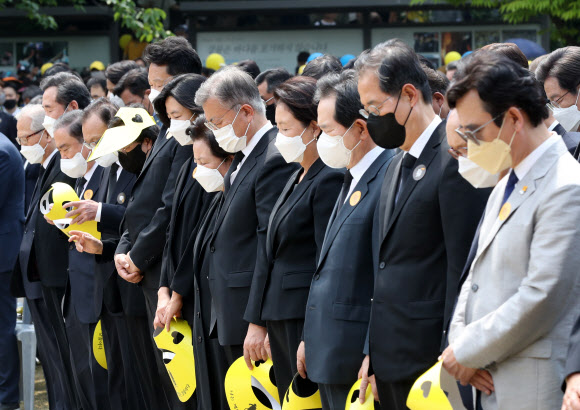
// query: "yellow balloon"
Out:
[99,346]
[61,194]
[352,401]
[255,389]
[451,56]
[215,61]
[427,394]
[302,394]
[124,40]
[178,357]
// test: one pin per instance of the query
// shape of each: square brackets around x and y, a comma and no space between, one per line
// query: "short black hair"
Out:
[69,88]
[102,108]
[31,91]
[397,64]
[149,133]
[176,53]
[438,82]
[183,89]
[72,121]
[344,87]
[115,71]
[250,67]
[484,71]
[564,65]
[510,50]
[321,66]
[135,81]
[57,68]
[199,132]
[273,77]
[302,57]
[297,94]
[101,81]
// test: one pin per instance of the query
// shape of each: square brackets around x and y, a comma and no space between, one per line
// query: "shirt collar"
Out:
[90,172]
[419,145]
[256,138]
[553,125]
[361,167]
[528,162]
[47,160]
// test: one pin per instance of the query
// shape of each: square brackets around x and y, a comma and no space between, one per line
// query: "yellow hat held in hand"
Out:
[352,401]
[99,346]
[303,394]
[255,389]
[435,390]
[178,356]
[61,194]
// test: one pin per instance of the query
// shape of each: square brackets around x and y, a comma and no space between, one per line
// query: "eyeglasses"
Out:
[556,104]
[373,109]
[90,145]
[212,126]
[470,135]
[267,101]
[22,140]
[456,153]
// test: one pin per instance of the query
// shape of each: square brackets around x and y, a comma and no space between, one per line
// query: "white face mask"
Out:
[107,160]
[33,153]
[177,129]
[292,148]
[332,150]
[153,95]
[228,140]
[48,125]
[568,117]
[210,179]
[475,175]
[115,99]
[74,167]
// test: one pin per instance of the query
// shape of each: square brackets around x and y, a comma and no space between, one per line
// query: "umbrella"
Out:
[531,49]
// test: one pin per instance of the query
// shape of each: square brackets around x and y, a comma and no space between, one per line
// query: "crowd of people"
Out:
[349,223]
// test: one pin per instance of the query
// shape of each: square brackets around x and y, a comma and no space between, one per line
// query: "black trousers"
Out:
[10,368]
[393,396]
[284,338]
[53,297]
[233,353]
[123,376]
[333,396]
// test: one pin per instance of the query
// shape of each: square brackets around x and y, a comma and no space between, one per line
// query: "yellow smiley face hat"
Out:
[251,389]
[116,138]
[303,394]
[51,206]
[435,390]
[99,346]
[352,401]
[177,352]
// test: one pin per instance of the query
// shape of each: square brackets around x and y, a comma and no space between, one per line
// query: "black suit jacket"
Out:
[240,234]
[8,127]
[110,290]
[339,301]
[423,244]
[43,252]
[81,280]
[295,234]
[149,209]
[570,138]
[190,202]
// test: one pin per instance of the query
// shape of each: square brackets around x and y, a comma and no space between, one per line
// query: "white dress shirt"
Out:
[361,167]
[250,147]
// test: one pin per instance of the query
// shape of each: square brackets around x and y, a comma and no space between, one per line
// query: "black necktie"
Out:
[406,168]
[80,185]
[345,189]
[512,181]
[227,181]
[112,182]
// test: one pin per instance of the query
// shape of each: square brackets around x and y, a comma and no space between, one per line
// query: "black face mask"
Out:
[133,161]
[385,131]
[271,113]
[9,104]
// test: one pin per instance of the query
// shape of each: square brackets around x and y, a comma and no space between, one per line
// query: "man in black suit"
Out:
[12,222]
[339,301]
[426,218]
[235,113]
[43,259]
[139,253]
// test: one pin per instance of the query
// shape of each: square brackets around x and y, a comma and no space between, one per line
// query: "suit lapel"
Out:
[124,180]
[159,144]
[41,185]
[388,195]
[185,184]
[95,181]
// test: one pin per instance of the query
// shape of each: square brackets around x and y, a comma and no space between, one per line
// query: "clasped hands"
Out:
[127,269]
[478,378]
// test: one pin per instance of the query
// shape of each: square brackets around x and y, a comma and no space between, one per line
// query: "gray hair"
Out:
[73,120]
[36,114]
[232,87]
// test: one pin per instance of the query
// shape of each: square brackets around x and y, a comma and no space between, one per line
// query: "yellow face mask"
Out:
[99,346]
[493,156]
[253,390]
[51,206]
[435,390]
[352,401]
[302,394]
[178,356]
